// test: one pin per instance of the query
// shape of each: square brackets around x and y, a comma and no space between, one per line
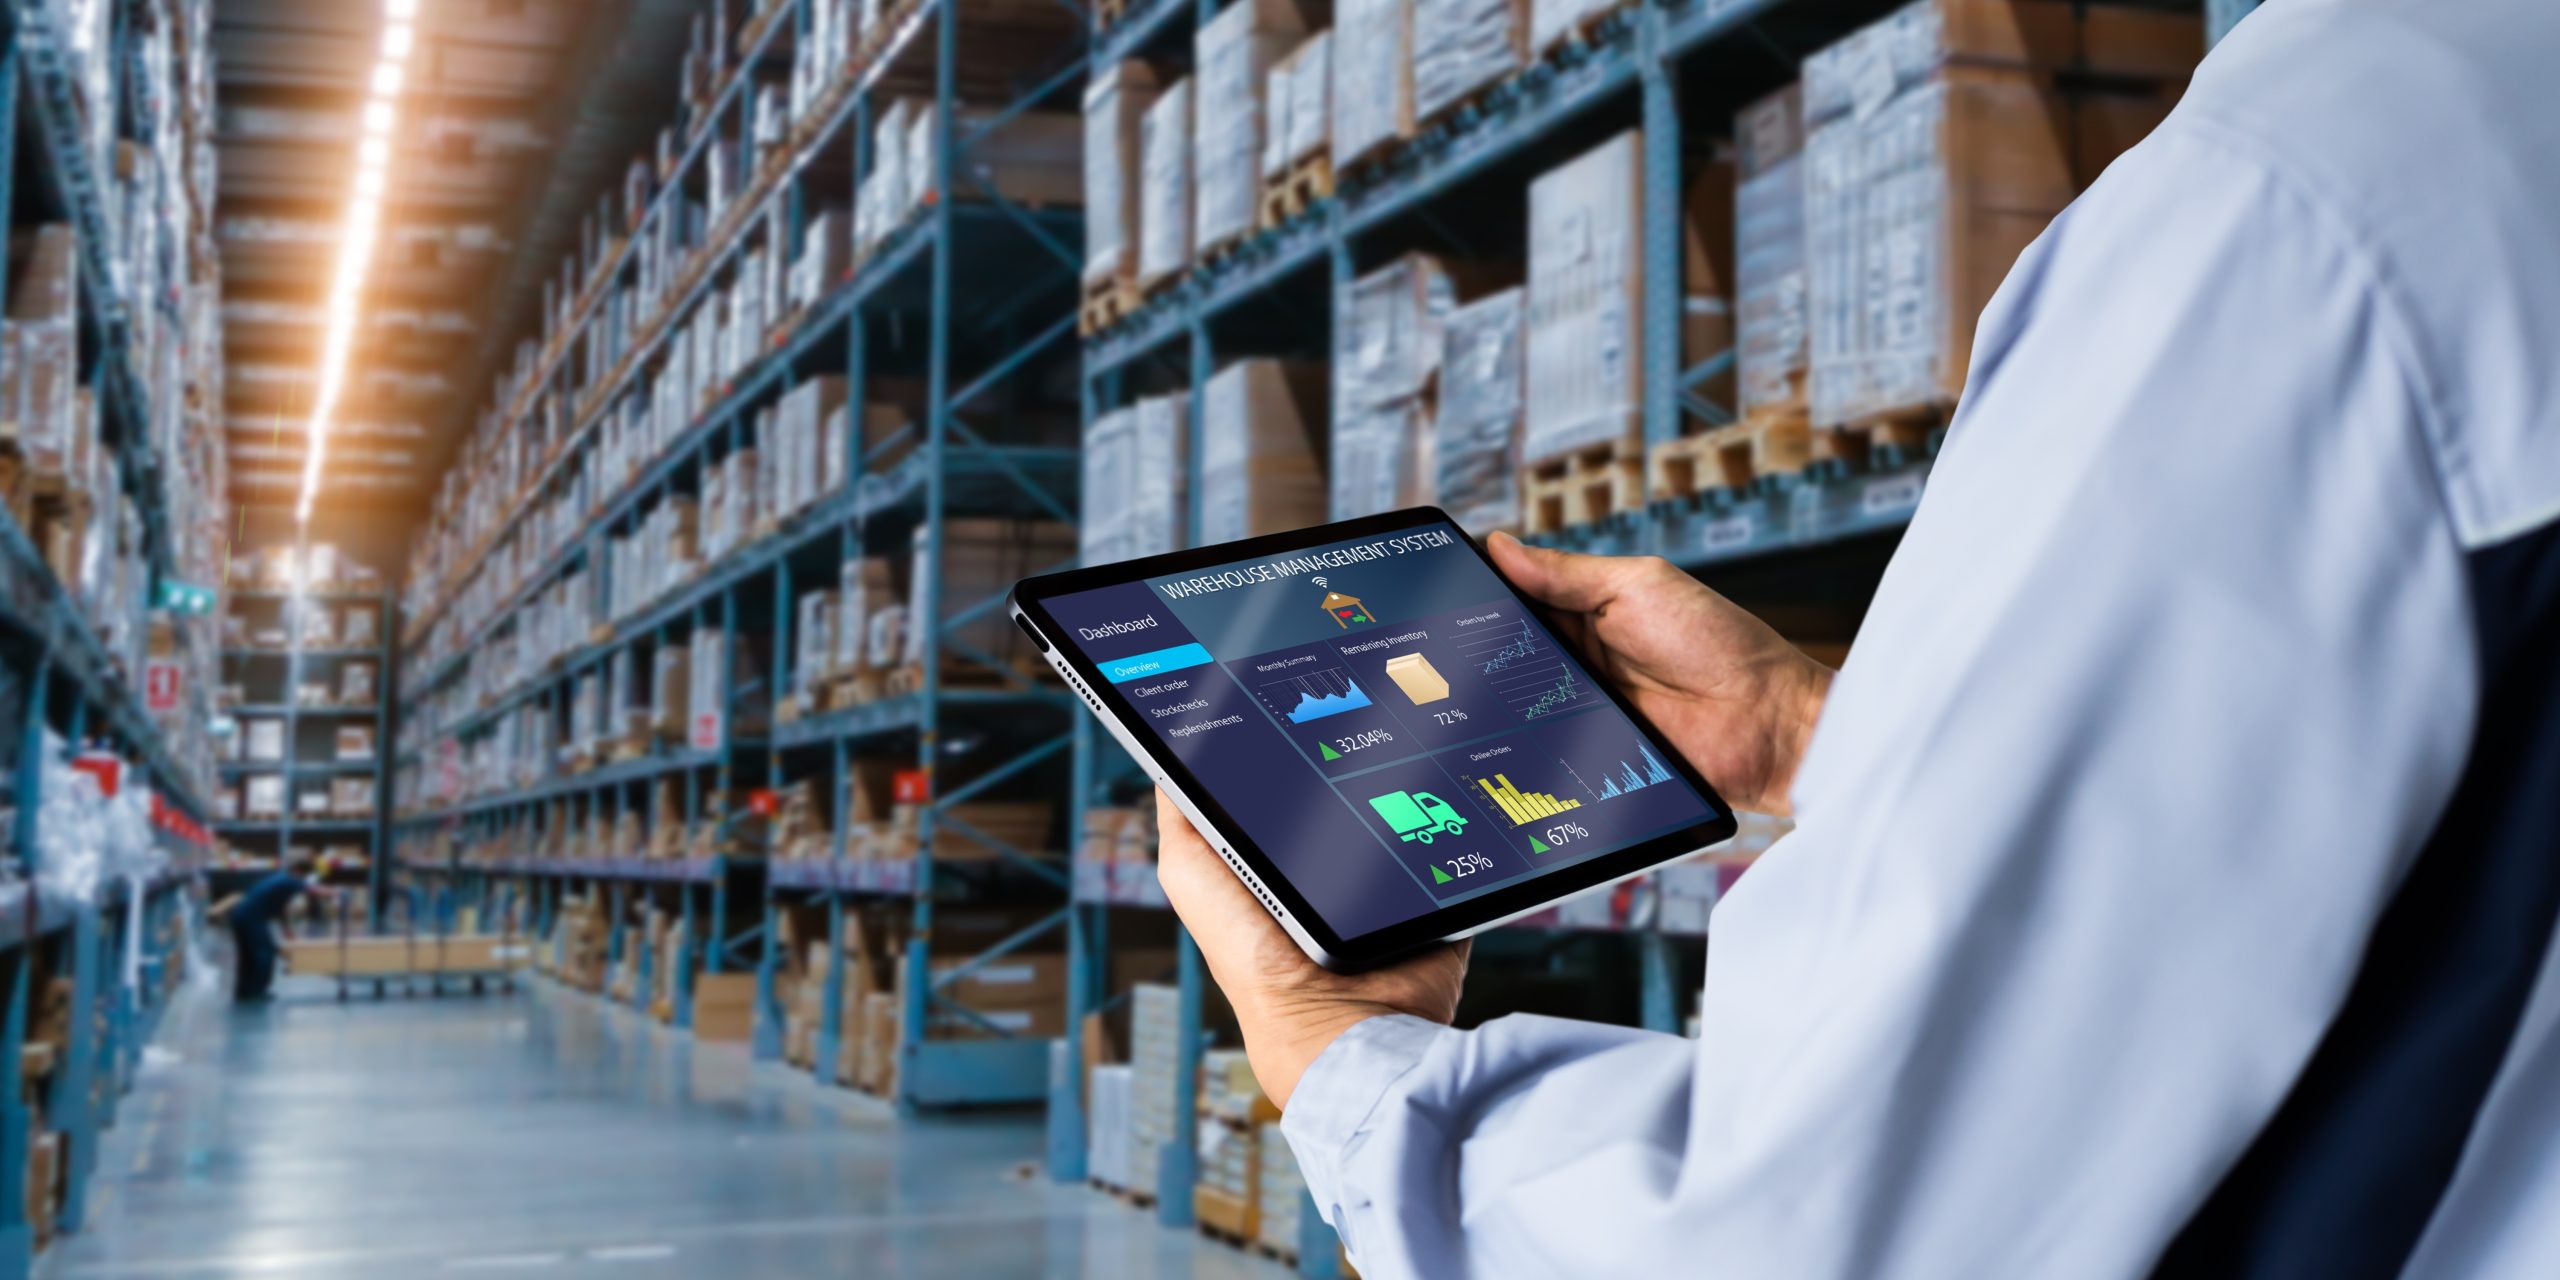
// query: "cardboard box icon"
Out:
[1421,682]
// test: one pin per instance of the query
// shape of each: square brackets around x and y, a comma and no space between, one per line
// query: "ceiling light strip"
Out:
[361,230]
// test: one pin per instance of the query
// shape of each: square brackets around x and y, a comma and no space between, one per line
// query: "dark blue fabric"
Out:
[255,954]
[2342,1182]
[266,901]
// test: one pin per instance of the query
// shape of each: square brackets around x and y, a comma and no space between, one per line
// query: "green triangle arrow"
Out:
[1439,876]
[1329,752]
[1537,845]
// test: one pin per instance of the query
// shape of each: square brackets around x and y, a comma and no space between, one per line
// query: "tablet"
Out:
[1386,742]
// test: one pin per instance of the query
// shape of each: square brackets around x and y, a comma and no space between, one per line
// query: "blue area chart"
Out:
[1627,777]
[1326,691]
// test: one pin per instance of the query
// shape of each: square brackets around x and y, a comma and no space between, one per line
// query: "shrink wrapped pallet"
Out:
[1381,458]
[1552,22]
[1387,349]
[1164,191]
[1768,251]
[1107,1142]
[1372,79]
[1476,438]
[1115,104]
[1155,1033]
[1135,500]
[1586,299]
[1234,52]
[1310,129]
[1031,158]
[40,376]
[1460,47]
[1930,164]
[1261,464]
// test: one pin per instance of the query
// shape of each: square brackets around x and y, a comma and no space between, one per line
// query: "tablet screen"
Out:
[1384,718]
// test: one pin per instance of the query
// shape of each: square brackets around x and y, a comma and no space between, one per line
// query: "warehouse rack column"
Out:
[718,683]
[110,476]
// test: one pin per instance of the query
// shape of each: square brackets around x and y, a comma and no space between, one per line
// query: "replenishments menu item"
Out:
[1384,719]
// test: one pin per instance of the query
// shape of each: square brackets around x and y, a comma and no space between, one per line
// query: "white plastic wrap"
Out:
[1234,52]
[1372,78]
[1460,47]
[1769,252]
[1477,437]
[1387,340]
[1586,295]
[1135,499]
[1550,21]
[1259,470]
[1311,98]
[1381,458]
[1114,104]
[1279,87]
[1164,215]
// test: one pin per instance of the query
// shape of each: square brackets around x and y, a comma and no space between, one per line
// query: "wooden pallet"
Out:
[1729,457]
[1906,428]
[1588,484]
[1107,302]
[1308,183]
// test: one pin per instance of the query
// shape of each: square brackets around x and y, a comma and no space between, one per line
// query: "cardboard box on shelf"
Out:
[265,739]
[1462,47]
[1372,88]
[1262,449]
[355,742]
[1234,52]
[1585,377]
[1164,187]
[1134,473]
[1769,249]
[1115,105]
[724,1006]
[1387,349]
[1476,436]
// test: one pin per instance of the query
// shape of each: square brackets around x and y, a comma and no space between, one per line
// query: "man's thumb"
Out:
[1569,581]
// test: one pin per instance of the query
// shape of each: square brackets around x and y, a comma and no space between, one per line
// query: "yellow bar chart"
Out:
[1523,807]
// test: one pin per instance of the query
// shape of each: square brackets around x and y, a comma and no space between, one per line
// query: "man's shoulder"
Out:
[2425,129]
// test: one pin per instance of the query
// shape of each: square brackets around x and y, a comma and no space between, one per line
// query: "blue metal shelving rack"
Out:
[278,836]
[55,674]
[1637,67]
[991,286]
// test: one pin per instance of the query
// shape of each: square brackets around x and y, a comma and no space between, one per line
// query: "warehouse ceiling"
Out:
[515,114]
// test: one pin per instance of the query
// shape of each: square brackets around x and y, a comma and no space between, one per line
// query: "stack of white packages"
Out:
[1155,1037]
[1260,468]
[1586,302]
[1135,500]
[1164,186]
[1107,1135]
[1297,107]
[1768,251]
[1462,46]
[1476,441]
[1372,78]
[1235,52]
[1387,348]
[1115,106]
[1280,1190]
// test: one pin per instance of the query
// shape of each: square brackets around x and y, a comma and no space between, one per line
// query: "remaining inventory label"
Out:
[1889,496]
[1731,533]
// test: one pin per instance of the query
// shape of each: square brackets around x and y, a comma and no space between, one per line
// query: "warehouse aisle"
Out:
[542,1135]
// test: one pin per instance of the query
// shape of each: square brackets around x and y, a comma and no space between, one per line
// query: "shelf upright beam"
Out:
[1657,83]
[1178,1165]
[72,1102]
[17,1238]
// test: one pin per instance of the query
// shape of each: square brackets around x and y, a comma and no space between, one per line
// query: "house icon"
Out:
[1345,610]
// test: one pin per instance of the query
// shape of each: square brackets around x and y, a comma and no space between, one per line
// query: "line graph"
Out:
[1324,691]
[1627,778]
[1532,678]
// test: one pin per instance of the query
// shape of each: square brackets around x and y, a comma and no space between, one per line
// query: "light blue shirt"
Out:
[2185,665]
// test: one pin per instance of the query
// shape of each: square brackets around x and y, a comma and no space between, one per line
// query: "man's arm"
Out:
[2170,676]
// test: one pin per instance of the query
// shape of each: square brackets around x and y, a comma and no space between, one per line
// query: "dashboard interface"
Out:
[1384,718]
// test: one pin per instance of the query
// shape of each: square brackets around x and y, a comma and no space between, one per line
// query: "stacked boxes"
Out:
[981,560]
[1279,1190]
[1476,440]
[1769,261]
[1261,465]
[1297,107]
[1155,1034]
[1372,79]
[1134,467]
[1387,349]
[1108,1138]
[1115,104]
[1937,146]
[1460,47]
[1235,52]
[1586,303]
[1164,186]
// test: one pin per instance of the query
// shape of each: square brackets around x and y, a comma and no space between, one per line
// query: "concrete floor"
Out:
[542,1135]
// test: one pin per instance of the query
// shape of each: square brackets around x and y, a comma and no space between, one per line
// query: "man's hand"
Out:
[1736,700]
[1290,1008]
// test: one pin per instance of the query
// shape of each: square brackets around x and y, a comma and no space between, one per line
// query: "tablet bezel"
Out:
[1029,601]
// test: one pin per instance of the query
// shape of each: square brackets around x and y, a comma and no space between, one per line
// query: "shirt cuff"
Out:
[1330,1109]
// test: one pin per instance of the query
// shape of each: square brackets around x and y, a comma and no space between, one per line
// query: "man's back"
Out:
[2174,884]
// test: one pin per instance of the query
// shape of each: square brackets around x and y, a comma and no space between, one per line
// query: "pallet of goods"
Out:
[1463,51]
[1235,52]
[1116,102]
[1386,363]
[1583,438]
[1164,189]
[1297,157]
[1373,114]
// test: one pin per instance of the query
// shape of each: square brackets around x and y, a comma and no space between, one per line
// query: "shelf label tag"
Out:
[1731,533]
[910,786]
[1889,496]
[162,682]
[706,731]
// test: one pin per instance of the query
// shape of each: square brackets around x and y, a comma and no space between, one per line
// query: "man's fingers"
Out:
[1196,880]
[1578,583]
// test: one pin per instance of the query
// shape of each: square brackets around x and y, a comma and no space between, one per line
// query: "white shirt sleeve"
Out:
[2164,688]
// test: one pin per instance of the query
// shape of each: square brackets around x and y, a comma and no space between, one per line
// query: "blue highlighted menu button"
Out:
[1156,663]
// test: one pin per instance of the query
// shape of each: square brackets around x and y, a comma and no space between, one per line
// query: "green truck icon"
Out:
[1418,815]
